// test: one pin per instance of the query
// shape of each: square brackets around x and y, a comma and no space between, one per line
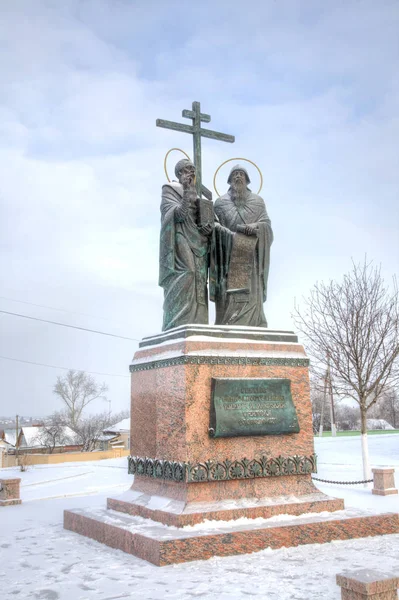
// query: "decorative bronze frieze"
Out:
[220,360]
[222,471]
[159,469]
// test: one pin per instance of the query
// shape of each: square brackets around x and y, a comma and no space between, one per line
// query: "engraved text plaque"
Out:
[250,407]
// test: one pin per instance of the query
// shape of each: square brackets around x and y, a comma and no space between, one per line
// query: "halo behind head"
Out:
[237,158]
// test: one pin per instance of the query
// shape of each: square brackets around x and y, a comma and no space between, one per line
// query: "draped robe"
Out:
[183,262]
[240,307]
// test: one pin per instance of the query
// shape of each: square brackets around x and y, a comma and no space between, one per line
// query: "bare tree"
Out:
[54,433]
[356,323]
[347,417]
[77,389]
[388,408]
[319,411]
[391,408]
[119,416]
[90,429]
[24,460]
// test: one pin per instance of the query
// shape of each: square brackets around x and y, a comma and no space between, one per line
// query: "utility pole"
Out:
[332,411]
[16,436]
[109,407]
[328,391]
[322,406]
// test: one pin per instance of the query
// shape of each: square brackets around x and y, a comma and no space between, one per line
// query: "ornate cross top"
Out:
[197,132]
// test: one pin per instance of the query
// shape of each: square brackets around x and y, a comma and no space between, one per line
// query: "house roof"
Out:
[121,427]
[32,436]
[106,437]
[10,436]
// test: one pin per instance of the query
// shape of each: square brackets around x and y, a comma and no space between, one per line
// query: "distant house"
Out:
[37,440]
[377,424]
[116,436]
[7,443]
[7,438]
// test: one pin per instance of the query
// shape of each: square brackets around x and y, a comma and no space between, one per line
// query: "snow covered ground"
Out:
[40,560]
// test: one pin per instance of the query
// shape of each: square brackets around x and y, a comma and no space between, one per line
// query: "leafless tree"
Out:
[77,389]
[90,429]
[317,399]
[391,408]
[24,460]
[54,432]
[347,417]
[387,408]
[356,324]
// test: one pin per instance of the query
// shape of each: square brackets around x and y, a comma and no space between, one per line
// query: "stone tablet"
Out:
[241,406]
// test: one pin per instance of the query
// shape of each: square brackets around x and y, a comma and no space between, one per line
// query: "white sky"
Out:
[309,89]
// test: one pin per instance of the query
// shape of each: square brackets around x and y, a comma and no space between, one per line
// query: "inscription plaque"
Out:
[250,407]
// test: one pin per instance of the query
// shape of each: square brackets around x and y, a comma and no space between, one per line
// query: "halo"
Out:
[237,158]
[166,158]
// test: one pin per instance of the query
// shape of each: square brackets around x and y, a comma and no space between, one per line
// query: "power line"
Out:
[6,312]
[62,368]
[72,312]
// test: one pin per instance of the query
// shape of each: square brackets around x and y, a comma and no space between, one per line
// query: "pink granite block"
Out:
[171,408]
[85,525]
[368,583]
[384,482]
[182,514]
[9,491]
[161,545]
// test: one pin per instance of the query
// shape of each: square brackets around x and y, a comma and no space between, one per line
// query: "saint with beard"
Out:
[184,252]
[240,255]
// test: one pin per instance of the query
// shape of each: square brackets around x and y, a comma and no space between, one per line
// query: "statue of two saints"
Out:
[229,239]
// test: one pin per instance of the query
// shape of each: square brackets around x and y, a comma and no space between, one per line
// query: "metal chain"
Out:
[344,482]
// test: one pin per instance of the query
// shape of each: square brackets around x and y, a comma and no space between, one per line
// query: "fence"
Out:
[10,460]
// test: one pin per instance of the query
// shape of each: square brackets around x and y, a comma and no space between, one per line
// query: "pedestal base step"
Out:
[10,502]
[165,545]
[179,513]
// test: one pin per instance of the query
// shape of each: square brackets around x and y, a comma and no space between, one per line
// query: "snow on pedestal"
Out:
[367,583]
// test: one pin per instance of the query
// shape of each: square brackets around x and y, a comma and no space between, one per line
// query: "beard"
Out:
[239,192]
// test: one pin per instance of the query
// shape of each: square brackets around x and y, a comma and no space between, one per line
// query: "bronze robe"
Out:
[183,263]
[240,307]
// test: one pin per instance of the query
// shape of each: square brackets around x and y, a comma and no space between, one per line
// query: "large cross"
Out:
[197,132]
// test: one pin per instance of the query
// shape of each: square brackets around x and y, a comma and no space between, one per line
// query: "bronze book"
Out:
[206,215]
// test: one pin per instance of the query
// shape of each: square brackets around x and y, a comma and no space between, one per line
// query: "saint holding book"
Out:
[184,250]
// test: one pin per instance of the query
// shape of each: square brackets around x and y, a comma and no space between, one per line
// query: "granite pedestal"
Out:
[9,491]
[368,583]
[184,476]
[384,481]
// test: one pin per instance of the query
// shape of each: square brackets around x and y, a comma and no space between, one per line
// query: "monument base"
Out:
[222,452]
[163,545]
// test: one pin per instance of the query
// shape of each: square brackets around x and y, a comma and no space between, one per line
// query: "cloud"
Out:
[310,90]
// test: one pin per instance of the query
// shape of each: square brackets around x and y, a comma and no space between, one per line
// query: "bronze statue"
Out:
[184,251]
[240,254]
